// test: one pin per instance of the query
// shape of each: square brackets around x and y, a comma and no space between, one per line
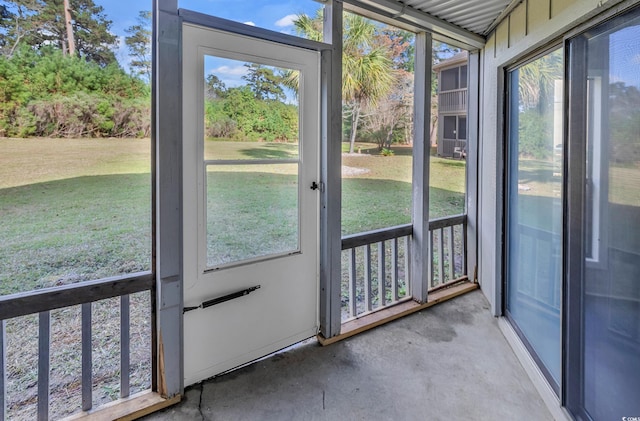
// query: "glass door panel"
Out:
[534,210]
[252,161]
[252,212]
[610,295]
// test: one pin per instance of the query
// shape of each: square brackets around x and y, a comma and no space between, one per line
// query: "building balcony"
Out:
[452,101]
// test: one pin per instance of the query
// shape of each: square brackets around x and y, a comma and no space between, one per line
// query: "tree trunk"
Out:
[355,117]
[434,126]
[67,21]
[389,139]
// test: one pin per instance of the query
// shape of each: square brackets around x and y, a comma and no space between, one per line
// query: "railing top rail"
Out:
[375,236]
[31,302]
[371,237]
[452,91]
[447,221]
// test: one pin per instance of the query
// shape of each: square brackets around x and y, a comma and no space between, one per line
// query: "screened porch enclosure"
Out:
[529,197]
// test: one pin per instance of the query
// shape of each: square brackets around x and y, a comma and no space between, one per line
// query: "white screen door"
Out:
[251,216]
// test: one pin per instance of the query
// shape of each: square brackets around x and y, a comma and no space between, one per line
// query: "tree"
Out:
[392,112]
[400,46]
[624,123]
[265,84]
[214,88]
[367,70]
[40,23]
[536,84]
[138,42]
[536,81]
[18,19]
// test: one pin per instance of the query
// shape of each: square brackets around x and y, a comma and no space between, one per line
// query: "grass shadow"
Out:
[370,204]
[452,163]
[271,151]
[73,230]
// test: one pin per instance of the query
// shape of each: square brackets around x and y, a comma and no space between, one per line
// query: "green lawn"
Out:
[75,210]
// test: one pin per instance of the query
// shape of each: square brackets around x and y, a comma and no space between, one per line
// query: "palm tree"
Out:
[367,70]
[536,80]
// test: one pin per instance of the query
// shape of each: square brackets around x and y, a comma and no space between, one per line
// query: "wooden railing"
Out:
[366,288]
[448,249]
[376,264]
[451,101]
[88,335]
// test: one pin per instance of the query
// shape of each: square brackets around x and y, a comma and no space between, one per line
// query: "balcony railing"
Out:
[452,101]
[376,264]
[456,148]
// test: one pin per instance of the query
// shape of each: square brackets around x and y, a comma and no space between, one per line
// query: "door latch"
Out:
[317,186]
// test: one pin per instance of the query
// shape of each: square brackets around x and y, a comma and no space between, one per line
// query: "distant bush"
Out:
[242,116]
[43,93]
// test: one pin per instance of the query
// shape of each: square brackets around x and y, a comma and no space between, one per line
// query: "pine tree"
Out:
[139,44]
[39,23]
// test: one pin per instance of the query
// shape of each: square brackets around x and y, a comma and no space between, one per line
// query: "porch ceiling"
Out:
[467,21]
[476,16]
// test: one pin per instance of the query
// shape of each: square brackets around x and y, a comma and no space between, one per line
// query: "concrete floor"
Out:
[449,362]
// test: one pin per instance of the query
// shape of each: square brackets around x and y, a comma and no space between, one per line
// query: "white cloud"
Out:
[250,23]
[229,70]
[286,21]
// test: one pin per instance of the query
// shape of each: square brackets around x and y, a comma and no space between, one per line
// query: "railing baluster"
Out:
[353,308]
[124,345]
[87,399]
[394,269]
[441,256]
[382,276]
[430,268]
[44,338]
[464,251]
[3,371]
[367,277]
[451,256]
[407,264]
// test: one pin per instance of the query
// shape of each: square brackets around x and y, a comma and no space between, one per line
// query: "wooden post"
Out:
[331,156]
[167,139]
[473,122]
[421,154]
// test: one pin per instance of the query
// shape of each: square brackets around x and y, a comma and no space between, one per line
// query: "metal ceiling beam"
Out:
[502,15]
[422,20]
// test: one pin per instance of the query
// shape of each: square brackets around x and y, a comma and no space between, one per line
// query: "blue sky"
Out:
[270,14]
[277,15]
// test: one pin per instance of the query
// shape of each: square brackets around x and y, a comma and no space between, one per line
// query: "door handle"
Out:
[315,186]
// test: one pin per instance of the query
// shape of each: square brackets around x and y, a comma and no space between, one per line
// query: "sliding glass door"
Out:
[603,375]
[534,208]
[572,223]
